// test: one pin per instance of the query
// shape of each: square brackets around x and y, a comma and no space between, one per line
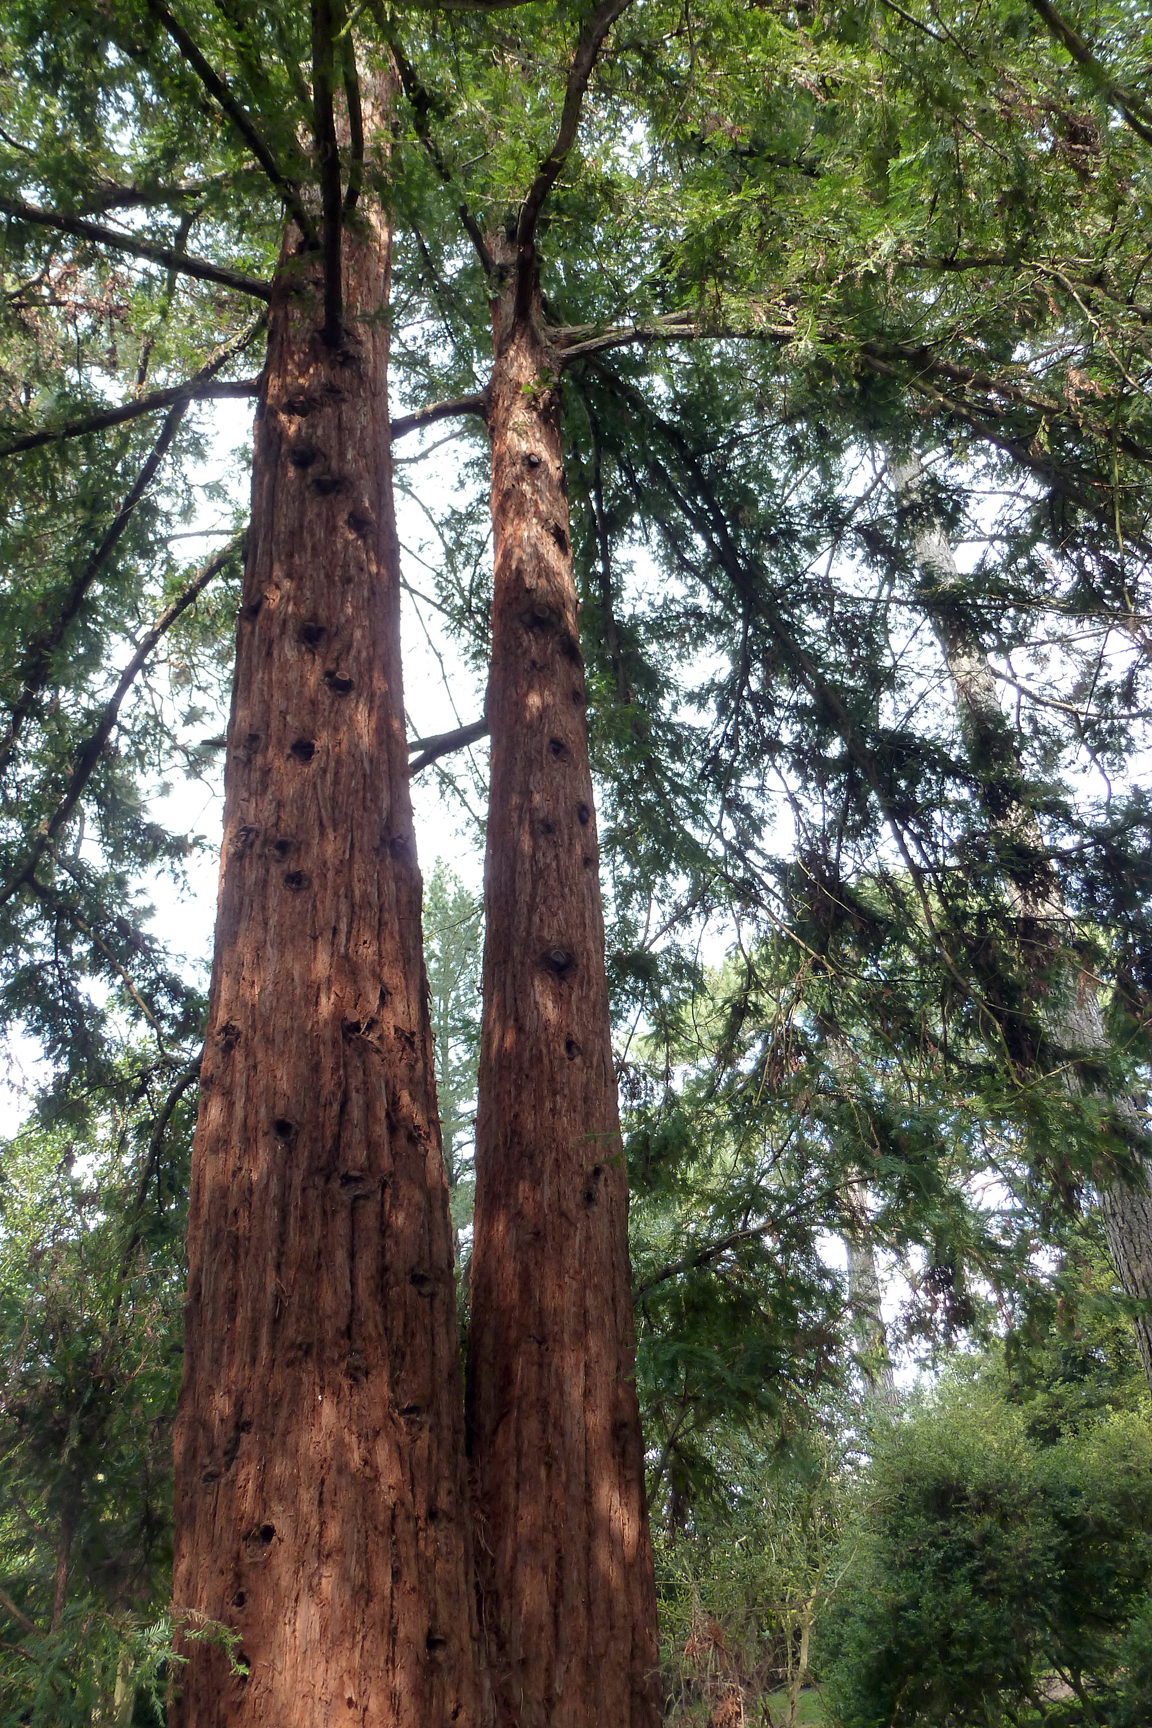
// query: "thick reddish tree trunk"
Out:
[563,1554]
[319,1445]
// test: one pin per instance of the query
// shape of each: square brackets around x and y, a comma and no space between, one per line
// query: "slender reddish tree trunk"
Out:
[319,1447]
[563,1554]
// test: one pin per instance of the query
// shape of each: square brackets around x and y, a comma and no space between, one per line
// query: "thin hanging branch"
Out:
[328,159]
[239,116]
[93,746]
[587,51]
[201,269]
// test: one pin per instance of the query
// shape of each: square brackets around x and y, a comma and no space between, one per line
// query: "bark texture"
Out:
[319,1444]
[563,1554]
[1072,1010]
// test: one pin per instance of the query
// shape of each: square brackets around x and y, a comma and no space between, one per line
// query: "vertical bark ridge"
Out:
[1072,1012]
[563,1553]
[320,1504]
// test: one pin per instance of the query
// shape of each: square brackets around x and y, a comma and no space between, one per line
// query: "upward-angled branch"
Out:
[1134,109]
[239,116]
[92,748]
[355,123]
[405,423]
[587,49]
[328,157]
[421,105]
[136,247]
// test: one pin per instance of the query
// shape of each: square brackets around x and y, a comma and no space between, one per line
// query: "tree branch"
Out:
[328,157]
[443,744]
[701,1257]
[1121,99]
[355,123]
[20,1618]
[239,116]
[406,423]
[421,104]
[38,660]
[587,49]
[136,247]
[92,748]
[150,404]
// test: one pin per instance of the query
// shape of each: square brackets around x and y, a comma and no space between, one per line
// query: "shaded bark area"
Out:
[563,1555]
[320,1494]
[1072,1010]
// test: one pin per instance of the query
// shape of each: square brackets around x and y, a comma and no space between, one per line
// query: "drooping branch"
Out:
[328,160]
[135,246]
[591,41]
[155,1147]
[93,746]
[239,116]
[444,743]
[405,423]
[1134,109]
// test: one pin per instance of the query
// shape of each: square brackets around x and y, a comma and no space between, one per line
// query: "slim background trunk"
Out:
[563,1554]
[319,1443]
[1072,1011]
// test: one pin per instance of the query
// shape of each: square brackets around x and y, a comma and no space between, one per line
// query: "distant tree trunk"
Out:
[563,1554]
[1072,1012]
[319,1442]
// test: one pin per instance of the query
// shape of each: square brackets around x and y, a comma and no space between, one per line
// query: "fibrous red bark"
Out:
[563,1554]
[319,1445]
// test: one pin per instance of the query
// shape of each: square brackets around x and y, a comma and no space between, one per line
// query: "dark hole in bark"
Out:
[560,538]
[547,827]
[557,747]
[563,484]
[303,455]
[242,1668]
[589,1196]
[398,846]
[243,838]
[207,1477]
[571,1049]
[297,880]
[532,460]
[311,633]
[597,1172]
[436,1643]
[539,617]
[559,962]
[251,745]
[283,1128]
[282,847]
[253,606]
[325,485]
[411,1411]
[296,405]
[231,1448]
[267,1531]
[571,649]
[303,749]
[421,1282]
[360,522]
[587,861]
[339,685]
[583,814]
[433,1514]
[228,1036]
[578,698]
[240,1598]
